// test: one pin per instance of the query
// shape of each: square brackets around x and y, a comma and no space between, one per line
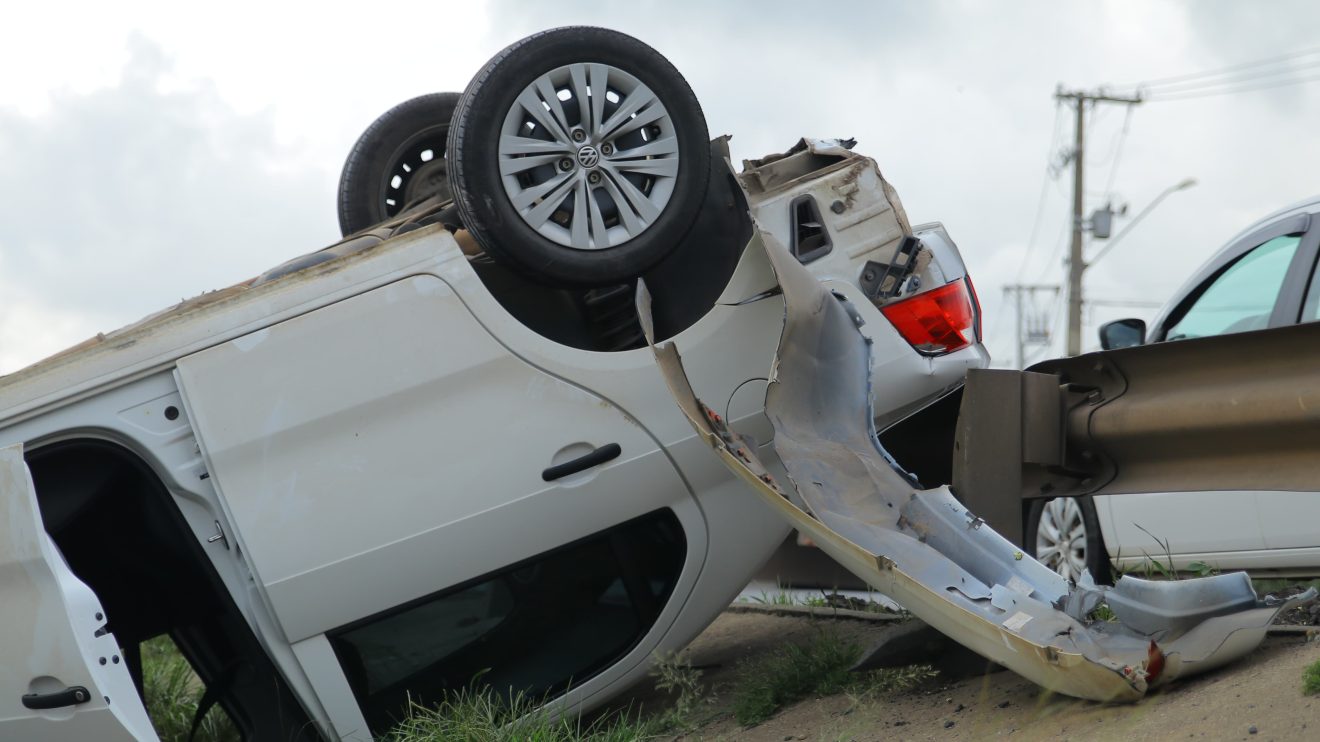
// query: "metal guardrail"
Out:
[1231,412]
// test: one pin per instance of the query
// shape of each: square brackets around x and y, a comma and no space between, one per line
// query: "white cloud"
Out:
[216,153]
[125,199]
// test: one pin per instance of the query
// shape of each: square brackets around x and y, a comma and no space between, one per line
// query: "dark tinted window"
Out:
[537,626]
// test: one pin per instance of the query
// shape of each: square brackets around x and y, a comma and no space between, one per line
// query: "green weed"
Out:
[172,692]
[891,680]
[1311,679]
[1103,613]
[819,667]
[675,675]
[483,716]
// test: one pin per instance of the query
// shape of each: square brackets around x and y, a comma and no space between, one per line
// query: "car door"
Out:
[1288,519]
[1252,290]
[380,458]
[62,674]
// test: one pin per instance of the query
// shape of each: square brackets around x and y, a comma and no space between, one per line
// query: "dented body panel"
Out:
[930,553]
[864,248]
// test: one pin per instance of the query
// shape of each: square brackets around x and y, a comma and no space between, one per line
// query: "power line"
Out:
[1118,153]
[1287,69]
[1159,81]
[1045,347]
[1033,325]
[1044,191]
[1059,242]
[1133,303]
[1230,91]
[1245,77]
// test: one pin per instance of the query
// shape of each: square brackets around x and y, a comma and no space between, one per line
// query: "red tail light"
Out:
[938,321]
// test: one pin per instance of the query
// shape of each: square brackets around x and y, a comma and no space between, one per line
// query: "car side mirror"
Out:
[1122,333]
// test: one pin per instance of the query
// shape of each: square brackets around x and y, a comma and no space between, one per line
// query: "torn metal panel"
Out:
[858,211]
[927,551]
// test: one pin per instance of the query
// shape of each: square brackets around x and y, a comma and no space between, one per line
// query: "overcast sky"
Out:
[151,151]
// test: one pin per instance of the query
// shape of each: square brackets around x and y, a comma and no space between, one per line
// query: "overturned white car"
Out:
[376,471]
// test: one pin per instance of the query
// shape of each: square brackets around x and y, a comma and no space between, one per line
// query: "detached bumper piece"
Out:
[924,549]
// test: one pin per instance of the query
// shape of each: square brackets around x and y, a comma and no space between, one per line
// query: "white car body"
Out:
[352,438]
[1265,532]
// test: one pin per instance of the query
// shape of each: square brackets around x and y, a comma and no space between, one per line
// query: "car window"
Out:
[536,627]
[1242,297]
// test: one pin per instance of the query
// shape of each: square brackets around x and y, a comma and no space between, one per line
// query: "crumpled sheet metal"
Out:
[926,551]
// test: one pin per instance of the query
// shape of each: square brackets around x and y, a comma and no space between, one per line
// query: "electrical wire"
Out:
[1163,81]
[1044,191]
[1058,252]
[1288,69]
[1118,153]
[1042,348]
[1245,77]
[1232,91]
[1133,303]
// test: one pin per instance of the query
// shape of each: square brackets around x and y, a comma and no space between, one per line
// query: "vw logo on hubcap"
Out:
[588,156]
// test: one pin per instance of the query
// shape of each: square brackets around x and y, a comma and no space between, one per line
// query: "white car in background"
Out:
[1266,277]
[439,449]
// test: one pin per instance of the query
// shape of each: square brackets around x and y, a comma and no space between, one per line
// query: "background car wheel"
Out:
[579,157]
[1064,535]
[398,160]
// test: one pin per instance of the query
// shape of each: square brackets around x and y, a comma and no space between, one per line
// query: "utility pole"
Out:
[1038,332]
[1076,262]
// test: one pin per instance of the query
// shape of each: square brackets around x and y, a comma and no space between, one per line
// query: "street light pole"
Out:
[1183,185]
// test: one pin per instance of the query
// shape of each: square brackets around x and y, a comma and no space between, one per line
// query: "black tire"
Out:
[396,144]
[1096,557]
[485,205]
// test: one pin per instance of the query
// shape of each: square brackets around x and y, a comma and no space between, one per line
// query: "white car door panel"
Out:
[1189,522]
[1290,520]
[385,447]
[62,677]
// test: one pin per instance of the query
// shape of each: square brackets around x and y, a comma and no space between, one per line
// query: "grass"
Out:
[1164,572]
[1103,613]
[675,675]
[819,667]
[484,716]
[779,597]
[172,692]
[1153,568]
[1311,679]
[783,596]
[892,680]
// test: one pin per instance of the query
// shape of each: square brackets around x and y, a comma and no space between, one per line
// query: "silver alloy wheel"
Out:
[588,156]
[1061,537]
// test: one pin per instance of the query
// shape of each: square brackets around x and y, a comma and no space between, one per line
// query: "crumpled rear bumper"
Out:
[927,551]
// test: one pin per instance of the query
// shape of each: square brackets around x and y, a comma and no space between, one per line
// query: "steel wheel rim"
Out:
[416,170]
[1061,537]
[588,156]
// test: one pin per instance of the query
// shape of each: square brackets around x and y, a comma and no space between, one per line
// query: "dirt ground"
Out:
[1258,698]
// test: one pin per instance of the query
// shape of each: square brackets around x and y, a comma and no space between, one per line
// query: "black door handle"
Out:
[582,463]
[71,696]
